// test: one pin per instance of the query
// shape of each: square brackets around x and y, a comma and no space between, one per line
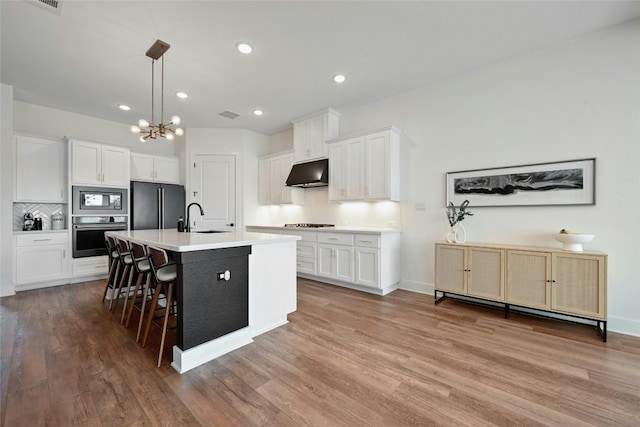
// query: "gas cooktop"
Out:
[307,225]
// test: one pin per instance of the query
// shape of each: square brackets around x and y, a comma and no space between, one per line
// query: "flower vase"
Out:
[457,234]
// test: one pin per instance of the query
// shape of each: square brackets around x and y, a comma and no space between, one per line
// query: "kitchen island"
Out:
[224,300]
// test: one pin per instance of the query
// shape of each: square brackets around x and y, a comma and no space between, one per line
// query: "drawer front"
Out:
[306,249]
[306,265]
[367,240]
[306,236]
[336,238]
[41,239]
[89,266]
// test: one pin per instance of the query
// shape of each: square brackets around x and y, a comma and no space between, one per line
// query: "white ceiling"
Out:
[91,56]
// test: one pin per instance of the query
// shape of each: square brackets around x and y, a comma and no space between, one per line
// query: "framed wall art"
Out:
[569,182]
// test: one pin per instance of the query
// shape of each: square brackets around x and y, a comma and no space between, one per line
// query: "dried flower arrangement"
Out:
[455,216]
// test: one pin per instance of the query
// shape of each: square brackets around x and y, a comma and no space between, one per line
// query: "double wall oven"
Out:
[96,210]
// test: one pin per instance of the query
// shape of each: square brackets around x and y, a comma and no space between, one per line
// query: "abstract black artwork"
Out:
[557,183]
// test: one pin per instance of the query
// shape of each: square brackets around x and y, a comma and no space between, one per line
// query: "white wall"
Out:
[577,100]
[247,146]
[6,191]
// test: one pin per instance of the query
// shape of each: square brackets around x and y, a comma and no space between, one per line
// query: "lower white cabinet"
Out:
[367,261]
[41,258]
[90,266]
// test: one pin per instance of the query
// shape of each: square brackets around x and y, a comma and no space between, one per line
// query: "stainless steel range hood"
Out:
[309,174]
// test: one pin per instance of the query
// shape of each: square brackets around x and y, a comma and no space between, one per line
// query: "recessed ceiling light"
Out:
[257,112]
[244,48]
[182,95]
[339,78]
[124,107]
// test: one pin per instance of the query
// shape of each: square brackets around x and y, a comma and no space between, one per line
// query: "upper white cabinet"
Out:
[273,172]
[40,167]
[365,166]
[346,171]
[97,164]
[311,132]
[145,167]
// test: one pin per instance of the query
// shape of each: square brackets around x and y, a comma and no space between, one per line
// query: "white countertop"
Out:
[174,241]
[341,229]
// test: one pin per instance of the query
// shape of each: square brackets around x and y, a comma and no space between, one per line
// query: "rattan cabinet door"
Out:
[485,273]
[529,279]
[579,285]
[451,269]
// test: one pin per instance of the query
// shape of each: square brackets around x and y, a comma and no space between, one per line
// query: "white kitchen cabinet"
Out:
[40,167]
[365,166]
[98,164]
[41,258]
[346,174]
[306,250]
[366,261]
[273,172]
[145,167]
[367,267]
[335,262]
[311,132]
[90,266]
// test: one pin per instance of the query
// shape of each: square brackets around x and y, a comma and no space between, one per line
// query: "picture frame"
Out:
[569,182]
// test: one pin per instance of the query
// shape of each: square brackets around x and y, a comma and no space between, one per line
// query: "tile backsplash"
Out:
[41,210]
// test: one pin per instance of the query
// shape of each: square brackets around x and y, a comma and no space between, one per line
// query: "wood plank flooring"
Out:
[345,359]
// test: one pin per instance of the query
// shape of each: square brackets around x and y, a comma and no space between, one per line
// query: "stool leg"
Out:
[112,269]
[154,303]
[126,295]
[125,276]
[113,283]
[147,288]
[167,311]
[135,297]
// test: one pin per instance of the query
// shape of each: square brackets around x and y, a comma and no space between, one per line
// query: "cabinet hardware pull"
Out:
[332,238]
[64,253]
[41,240]
[365,241]
[98,178]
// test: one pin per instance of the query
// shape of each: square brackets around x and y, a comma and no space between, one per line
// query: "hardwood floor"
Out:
[345,359]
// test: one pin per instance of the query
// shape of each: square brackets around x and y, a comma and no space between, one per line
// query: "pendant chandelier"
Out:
[152,130]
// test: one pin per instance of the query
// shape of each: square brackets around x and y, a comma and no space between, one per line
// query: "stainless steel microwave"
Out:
[100,201]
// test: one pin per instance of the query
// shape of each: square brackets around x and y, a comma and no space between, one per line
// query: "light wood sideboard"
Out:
[550,280]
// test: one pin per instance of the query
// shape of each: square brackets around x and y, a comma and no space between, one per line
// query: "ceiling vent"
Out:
[229,114]
[54,6]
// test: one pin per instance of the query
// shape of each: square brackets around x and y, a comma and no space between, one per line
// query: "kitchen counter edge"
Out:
[353,230]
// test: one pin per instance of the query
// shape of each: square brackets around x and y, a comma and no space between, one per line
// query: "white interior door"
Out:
[213,185]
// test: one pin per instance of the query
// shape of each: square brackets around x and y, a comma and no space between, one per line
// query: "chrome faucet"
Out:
[188,219]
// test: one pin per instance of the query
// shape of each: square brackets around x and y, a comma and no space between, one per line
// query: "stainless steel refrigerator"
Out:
[155,205]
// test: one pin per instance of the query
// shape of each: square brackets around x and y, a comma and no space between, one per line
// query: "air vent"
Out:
[229,114]
[54,6]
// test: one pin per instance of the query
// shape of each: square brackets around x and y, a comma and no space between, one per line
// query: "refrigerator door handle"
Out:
[158,190]
[162,208]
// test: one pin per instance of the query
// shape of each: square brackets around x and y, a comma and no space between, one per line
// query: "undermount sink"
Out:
[210,231]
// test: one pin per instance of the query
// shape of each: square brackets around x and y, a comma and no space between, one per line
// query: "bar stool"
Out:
[114,268]
[126,261]
[165,274]
[143,269]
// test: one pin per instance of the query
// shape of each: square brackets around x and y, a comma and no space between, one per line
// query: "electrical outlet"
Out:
[421,207]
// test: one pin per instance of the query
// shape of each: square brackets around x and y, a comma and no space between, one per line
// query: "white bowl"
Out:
[573,241]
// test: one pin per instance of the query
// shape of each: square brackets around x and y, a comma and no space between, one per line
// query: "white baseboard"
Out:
[624,326]
[419,287]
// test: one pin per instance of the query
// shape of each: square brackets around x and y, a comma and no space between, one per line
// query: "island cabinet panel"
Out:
[212,293]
